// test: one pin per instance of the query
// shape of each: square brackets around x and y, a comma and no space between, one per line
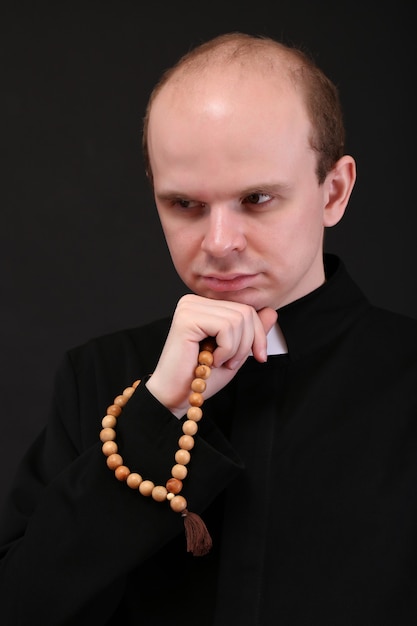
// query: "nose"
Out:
[225,232]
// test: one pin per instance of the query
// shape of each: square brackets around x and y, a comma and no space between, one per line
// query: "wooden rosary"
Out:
[198,539]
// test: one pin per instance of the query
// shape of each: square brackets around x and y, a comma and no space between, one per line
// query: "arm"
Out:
[72,532]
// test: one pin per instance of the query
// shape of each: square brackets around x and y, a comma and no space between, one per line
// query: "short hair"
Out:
[320,94]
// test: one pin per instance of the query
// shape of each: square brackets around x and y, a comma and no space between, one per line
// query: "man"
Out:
[304,465]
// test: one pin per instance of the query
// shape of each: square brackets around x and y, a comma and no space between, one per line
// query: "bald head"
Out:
[228,61]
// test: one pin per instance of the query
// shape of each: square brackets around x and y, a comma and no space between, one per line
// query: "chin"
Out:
[242,297]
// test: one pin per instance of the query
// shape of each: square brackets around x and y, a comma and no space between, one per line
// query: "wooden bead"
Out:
[189,427]
[208,344]
[194,413]
[109,447]
[107,434]
[108,421]
[115,410]
[146,487]
[178,504]
[174,485]
[182,457]
[205,358]
[121,472]
[198,385]
[195,399]
[134,480]
[186,442]
[114,461]
[179,471]
[202,371]
[128,392]
[159,493]
[120,400]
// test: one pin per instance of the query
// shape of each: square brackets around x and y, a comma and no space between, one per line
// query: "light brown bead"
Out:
[194,413]
[189,427]
[146,487]
[136,383]
[182,457]
[198,385]
[120,400]
[115,410]
[134,480]
[114,460]
[121,472]
[159,493]
[108,421]
[202,371]
[128,392]
[179,471]
[107,434]
[195,399]
[174,485]
[186,442]
[109,447]
[205,358]
[178,504]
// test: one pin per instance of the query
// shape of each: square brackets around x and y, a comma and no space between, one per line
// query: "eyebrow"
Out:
[266,188]
[170,195]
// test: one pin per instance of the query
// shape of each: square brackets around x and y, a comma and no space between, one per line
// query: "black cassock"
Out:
[304,470]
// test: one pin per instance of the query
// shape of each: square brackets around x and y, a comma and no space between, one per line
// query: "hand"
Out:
[238,329]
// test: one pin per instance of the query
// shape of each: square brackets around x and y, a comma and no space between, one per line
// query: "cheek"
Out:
[297,234]
[182,246]
[307,225]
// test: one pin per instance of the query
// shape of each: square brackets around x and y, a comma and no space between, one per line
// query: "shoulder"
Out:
[395,323]
[390,332]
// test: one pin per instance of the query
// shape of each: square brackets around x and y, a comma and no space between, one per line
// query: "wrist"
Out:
[155,389]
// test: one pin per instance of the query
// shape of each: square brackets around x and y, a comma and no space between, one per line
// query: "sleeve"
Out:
[71,532]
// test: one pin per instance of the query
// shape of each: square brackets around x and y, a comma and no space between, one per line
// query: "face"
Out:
[236,190]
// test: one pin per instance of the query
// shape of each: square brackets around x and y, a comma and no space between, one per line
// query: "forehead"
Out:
[225,136]
[229,109]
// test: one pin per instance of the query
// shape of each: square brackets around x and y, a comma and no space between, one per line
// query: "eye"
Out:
[257,198]
[186,204]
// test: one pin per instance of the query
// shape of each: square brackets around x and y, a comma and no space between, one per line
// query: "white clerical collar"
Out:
[276,341]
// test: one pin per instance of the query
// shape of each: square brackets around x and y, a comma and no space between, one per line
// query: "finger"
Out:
[231,323]
[234,338]
[267,318]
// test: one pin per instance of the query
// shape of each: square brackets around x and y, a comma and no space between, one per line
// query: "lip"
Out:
[233,282]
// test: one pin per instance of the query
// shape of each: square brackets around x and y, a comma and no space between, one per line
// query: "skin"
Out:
[242,212]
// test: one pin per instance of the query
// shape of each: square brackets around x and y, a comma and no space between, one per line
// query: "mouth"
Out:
[233,282]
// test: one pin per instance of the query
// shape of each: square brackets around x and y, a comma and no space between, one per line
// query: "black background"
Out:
[81,249]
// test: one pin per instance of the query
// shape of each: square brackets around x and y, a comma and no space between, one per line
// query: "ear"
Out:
[338,184]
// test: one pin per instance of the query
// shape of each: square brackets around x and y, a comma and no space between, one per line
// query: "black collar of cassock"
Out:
[325,313]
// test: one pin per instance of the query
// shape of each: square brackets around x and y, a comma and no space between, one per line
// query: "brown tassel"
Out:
[198,537]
